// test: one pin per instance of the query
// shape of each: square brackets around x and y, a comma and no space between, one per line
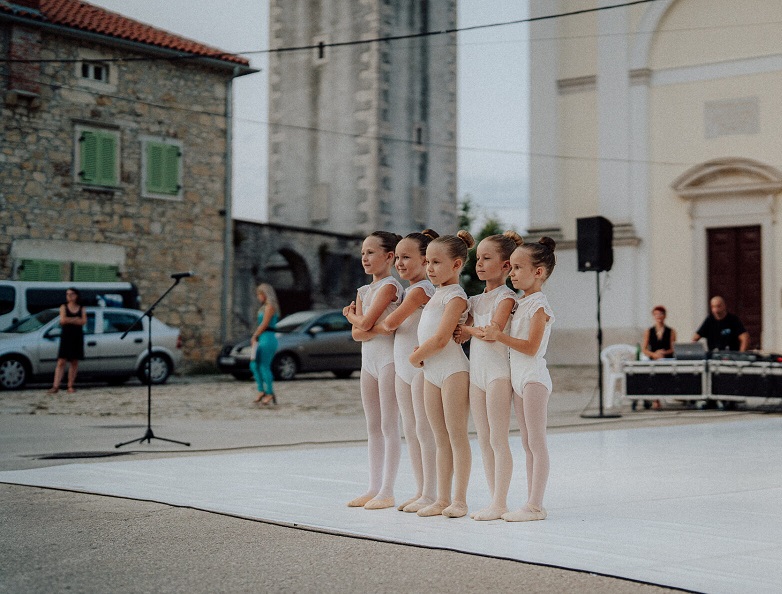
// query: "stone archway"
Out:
[288,273]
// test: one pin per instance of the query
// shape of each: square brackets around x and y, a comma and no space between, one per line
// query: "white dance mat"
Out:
[693,506]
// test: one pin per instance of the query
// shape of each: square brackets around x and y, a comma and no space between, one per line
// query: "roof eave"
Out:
[235,68]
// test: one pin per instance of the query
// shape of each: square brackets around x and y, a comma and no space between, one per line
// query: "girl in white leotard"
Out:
[446,373]
[411,265]
[531,265]
[374,303]
[491,393]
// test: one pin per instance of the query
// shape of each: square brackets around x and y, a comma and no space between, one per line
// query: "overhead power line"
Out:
[345,134]
[389,38]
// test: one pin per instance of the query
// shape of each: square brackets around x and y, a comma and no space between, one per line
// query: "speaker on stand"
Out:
[594,243]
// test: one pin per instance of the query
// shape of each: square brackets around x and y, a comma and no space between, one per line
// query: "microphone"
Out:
[180,275]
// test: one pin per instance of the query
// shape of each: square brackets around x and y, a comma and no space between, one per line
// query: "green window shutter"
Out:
[98,158]
[171,169]
[107,159]
[89,156]
[94,273]
[162,176]
[154,168]
[41,270]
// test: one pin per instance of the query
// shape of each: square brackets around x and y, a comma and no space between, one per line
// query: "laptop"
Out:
[689,351]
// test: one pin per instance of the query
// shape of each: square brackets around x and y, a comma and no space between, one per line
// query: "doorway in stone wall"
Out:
[735,272]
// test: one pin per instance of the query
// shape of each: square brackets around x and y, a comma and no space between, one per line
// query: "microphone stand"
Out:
[149,436]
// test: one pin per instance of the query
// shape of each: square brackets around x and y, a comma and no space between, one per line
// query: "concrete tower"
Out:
[363,136]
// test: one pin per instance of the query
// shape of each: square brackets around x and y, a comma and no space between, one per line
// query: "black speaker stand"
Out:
[601,414]
[149,436]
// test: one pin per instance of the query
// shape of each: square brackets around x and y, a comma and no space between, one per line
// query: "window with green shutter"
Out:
[98,157]
[163,169]
[41,270]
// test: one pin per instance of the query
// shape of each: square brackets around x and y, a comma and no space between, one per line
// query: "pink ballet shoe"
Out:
[379,503]
[456,510]
[417,505]
[435,509]
[359,501]
[402,506]
[488,514]
[528,513]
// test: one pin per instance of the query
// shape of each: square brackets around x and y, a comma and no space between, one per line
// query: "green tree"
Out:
[466,216]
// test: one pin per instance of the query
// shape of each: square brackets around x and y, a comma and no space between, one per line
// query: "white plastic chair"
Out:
[614,386]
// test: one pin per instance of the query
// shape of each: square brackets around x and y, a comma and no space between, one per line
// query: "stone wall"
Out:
[41,197]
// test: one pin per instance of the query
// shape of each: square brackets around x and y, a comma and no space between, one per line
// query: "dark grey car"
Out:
[315,340]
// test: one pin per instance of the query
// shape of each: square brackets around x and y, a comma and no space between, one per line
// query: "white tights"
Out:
[491,414]
[384,440]
[448,410]
[531,413]
[420,441]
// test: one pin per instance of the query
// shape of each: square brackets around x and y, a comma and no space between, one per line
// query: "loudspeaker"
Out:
[595,237]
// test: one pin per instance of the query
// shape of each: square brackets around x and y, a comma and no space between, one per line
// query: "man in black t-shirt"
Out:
[722,330]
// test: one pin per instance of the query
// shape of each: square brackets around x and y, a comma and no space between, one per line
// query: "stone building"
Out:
[665,118]
[362,136]
[113,151]
[309,269]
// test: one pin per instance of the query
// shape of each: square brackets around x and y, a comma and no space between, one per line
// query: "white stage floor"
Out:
[697,507]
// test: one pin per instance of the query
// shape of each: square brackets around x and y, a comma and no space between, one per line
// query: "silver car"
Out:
[28,349]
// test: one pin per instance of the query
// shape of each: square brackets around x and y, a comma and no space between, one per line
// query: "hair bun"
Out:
[430,233]
[548,242]
[517,239]
[466,238]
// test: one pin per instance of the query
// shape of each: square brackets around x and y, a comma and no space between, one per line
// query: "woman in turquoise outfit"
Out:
[264,343]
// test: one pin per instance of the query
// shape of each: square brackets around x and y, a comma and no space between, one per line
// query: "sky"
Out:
[492,97]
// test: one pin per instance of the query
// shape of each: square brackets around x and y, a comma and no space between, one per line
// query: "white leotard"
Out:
[524,368]
[488,360]
[406,335]
[378,352]
[451,359]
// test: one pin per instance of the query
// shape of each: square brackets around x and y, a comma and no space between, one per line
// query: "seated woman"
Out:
[658,342]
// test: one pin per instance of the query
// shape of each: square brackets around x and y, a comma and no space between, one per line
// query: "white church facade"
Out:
[664,117]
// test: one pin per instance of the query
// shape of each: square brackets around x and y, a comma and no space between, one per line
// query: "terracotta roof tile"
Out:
[87,17]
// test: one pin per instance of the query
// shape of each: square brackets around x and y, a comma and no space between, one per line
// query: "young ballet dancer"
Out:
[491,392]
[446,373]
[531,265]
[411,265]
[374,303]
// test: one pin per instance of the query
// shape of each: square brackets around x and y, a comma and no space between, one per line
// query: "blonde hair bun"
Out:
[467,238]
[517,239]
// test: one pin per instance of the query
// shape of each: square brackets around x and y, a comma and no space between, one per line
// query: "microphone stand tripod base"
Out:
[148,437]
[600,415]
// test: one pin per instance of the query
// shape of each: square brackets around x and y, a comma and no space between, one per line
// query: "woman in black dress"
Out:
[658,341]
[72,321]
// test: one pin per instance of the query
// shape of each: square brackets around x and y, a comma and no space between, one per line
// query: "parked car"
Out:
[28,348]
[316,340]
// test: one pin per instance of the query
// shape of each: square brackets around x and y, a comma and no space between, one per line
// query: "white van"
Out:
[19,299]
